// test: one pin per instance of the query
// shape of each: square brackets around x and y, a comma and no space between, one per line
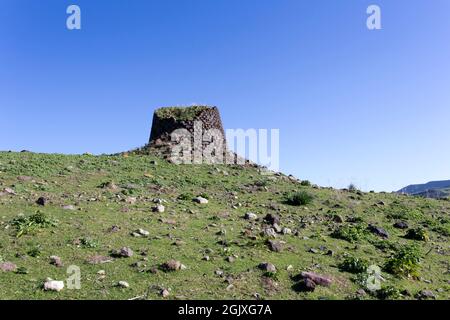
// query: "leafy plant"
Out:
[354,265]
[88,243]
[388,293]
[27,224]
[299,198]
[405,262]
[350,233]
[305,183]
[35,252]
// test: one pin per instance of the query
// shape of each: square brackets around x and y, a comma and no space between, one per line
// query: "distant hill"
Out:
[433,189]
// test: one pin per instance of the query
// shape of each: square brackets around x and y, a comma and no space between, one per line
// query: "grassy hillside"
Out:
[93,205]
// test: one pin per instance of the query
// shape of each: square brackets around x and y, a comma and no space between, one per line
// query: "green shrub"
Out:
[300,198]
[352,188]
[354,265]
[350,233]
[88,243]
[185,196]
[305,183]
[27,224]
[419,234]
[404,262]
[388,293]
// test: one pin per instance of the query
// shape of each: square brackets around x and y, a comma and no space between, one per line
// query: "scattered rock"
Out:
[312,250]
[268,267]
[401,225]
[98,259]
[7,266]
[230,259]
[123,284]
[24,178]
[305,285]
[272,219]
[124,252]
[171,265]
[200,200]
[378,231]
[164,293]
[130,200]
[425,294]
[286,231]
[275,245]
[277,228]
[270,233]
[143,232]
[53,285]
[68,207]
[159,208]
[56,261]
[41,201]
[250,216]
[317,278]
[9,191]
[338,219]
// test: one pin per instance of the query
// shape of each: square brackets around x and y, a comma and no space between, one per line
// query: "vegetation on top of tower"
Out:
[181,113]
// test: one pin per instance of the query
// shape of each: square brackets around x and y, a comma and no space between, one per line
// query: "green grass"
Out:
[187,231]
[180,113]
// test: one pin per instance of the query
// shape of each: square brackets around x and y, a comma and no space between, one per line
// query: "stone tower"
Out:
[167,120]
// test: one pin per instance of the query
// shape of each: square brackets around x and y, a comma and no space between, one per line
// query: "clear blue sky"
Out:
[352,105]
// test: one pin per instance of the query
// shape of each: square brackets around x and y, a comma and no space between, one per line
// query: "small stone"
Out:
[275,246]
[56,261]
[401,225]
[41,201]
[425,294]
[143,232]
[272,219]
[164,293]
[206,258]
[361,292]
[230,287]
[338,219]
[9,191]
[68,207]
[268,267]
[277,228]
[231,259]
[123,284]
[250,216]
[159,208]
[200,200]
[124,252]
[317,278]
[378,231]
[306,285]
[171,265]
[270,233]
[101,272]
[52,285]
[312,250]
[218,273]
[290,267]
[24,178]
[286,231]
[130,200]
[7,266]
[98,259]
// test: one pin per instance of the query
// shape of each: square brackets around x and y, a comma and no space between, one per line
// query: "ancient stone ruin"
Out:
[194,121]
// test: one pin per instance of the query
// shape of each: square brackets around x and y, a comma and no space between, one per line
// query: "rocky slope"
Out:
[138,227]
